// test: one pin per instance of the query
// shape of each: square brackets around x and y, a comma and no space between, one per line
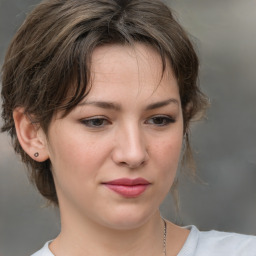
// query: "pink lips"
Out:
[128,187]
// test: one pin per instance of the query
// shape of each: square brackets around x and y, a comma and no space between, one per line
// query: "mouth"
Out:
[129,188]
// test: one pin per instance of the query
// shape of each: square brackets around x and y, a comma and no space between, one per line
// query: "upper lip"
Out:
[128,182]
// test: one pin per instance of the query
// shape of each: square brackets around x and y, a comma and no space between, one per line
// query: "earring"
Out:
[36,154]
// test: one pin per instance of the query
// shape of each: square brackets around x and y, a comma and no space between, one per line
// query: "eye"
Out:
[95,122]
[160,120]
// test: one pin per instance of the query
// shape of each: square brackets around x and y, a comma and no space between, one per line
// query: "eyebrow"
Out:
[102,104]
[162,104]
[117,107]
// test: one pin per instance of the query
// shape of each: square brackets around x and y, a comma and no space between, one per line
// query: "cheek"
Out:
[76,155]
[73,164]
[168,149]
[167,155]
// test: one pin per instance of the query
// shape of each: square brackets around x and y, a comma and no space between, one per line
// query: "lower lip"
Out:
[128,191]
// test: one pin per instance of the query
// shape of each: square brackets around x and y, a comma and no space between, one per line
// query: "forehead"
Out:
[138,66]
[135,58]
[130,77]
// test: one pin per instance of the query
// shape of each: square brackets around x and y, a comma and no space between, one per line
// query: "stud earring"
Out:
[36,154]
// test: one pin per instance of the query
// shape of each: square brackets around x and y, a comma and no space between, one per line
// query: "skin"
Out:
[118,131]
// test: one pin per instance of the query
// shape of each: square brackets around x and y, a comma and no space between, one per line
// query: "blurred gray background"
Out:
[225,144]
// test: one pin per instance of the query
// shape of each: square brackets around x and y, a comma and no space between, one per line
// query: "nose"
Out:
[130,148]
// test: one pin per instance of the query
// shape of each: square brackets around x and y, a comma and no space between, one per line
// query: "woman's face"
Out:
[114,157]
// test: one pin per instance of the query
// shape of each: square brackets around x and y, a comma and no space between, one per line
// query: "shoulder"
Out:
[227,243]
[213,243]
[44,251]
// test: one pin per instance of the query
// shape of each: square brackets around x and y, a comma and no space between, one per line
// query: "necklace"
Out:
[164,238]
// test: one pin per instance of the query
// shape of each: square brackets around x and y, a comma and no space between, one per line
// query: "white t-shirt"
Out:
[204,243]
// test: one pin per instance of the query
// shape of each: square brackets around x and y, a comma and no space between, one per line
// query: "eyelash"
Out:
[166,120]
[89,122]
[100,122]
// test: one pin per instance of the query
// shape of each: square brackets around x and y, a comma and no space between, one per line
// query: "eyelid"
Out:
[85,121]
[168,120]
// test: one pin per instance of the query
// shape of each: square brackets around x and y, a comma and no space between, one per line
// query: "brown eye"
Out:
[95,122]
[160,120]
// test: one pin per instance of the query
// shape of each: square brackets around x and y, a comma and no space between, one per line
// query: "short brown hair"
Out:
[51,52]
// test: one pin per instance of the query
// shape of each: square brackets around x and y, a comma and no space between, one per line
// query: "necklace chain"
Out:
[164,238]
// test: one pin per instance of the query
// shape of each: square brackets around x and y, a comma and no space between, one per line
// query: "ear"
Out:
[31,137]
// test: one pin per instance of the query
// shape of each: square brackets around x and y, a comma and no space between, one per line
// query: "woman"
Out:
[98,97]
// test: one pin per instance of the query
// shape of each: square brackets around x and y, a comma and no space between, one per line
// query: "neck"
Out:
[89,238]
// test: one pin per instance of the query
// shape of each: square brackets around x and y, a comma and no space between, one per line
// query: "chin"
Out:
[127,219]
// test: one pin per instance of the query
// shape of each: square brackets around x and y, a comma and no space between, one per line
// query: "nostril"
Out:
[135,165]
